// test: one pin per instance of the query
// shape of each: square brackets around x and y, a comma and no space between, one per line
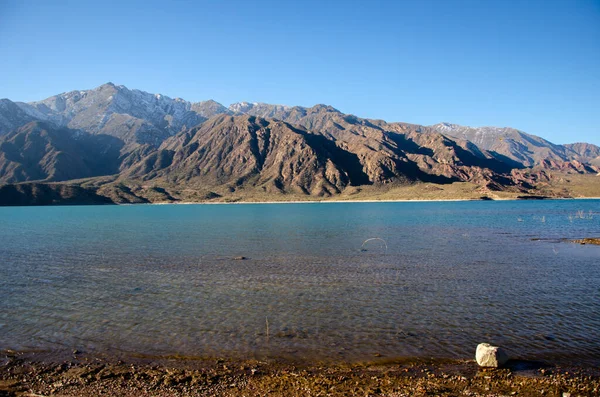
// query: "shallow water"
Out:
[162,279]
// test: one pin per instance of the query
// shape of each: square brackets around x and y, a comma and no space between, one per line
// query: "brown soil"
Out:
[79,375]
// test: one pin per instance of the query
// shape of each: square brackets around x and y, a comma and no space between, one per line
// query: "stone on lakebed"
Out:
[490,356]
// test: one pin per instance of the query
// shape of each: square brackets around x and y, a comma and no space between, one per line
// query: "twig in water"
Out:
[267,321]
[371,239]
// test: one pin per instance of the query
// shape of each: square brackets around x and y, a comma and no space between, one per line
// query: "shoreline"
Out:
[305,202]
[78,374]
[359,201]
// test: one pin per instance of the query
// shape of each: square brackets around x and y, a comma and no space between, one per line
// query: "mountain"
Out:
[132,146]
[279,157]
[382,147]
[134,116]
[141,118]
[516,145]
[266,153]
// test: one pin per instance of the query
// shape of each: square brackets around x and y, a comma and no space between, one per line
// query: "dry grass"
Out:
[572,185]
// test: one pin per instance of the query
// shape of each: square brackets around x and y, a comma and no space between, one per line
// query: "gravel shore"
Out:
[81,375]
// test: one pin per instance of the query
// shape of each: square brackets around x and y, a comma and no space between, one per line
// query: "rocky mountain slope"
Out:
[144,141]
[240,150]
[387,150]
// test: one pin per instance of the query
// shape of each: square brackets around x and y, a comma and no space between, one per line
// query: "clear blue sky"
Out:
[532,65]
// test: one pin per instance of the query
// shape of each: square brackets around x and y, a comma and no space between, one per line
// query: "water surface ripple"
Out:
[162,279]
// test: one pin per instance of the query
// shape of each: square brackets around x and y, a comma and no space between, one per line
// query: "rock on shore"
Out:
[490,356]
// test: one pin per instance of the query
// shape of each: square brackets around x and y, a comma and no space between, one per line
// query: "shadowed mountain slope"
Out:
[40,151]
[48,194]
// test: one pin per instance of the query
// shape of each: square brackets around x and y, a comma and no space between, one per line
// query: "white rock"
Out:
[490,356]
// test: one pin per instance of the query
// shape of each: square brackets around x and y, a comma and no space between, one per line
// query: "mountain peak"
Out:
[445,126]
[260,109]
[323,108]
[107,86]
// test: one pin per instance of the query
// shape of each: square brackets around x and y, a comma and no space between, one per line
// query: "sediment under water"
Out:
[163,279]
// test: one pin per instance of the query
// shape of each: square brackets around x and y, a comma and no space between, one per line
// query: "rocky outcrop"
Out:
[573,166]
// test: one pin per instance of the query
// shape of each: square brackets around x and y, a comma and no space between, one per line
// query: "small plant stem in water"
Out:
[267,321]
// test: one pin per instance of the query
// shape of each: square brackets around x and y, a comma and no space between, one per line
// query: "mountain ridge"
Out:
[158,116]
[142,139]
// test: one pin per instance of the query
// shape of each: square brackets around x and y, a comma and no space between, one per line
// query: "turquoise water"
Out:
[163,279]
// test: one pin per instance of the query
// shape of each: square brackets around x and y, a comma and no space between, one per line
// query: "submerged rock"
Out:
[490,356]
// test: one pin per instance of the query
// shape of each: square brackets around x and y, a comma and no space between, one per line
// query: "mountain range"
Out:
[128,145]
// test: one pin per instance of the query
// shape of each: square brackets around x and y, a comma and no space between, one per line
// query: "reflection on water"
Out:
[163,279]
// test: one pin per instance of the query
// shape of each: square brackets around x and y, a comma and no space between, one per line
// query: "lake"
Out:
[436,279]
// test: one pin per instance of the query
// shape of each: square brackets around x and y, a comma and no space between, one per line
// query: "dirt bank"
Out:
[81,375]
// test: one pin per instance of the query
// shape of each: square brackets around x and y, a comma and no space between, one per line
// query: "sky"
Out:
[531,65]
